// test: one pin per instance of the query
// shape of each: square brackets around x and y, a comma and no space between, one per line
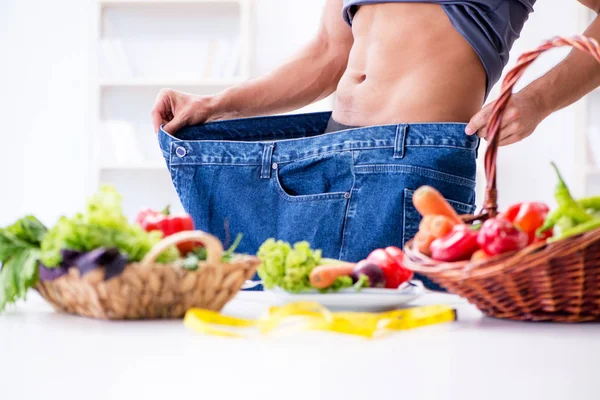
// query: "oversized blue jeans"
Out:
[347,192]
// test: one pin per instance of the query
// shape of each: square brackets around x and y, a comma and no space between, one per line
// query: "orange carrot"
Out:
[323,276]
[423,241]
[437,225]
[426,223]
[428,201]
[479,255]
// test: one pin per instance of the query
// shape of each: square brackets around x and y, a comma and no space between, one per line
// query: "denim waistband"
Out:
[247,141]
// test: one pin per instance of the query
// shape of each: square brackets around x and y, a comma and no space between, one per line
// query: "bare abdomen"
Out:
[408,64]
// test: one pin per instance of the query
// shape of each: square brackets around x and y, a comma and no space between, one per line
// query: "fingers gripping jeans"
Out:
[347,192]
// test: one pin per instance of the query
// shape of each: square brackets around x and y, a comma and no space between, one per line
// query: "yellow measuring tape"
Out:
[313,316]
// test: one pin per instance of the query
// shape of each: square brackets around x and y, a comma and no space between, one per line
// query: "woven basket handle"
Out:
[583,43]
[214,248]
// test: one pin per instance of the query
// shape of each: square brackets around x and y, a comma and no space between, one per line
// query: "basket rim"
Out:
[239,261]
[527,258]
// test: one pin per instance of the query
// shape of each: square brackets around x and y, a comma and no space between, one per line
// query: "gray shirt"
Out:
[490,26]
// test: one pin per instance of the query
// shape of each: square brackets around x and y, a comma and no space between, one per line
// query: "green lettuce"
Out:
[102,224]
[289,267]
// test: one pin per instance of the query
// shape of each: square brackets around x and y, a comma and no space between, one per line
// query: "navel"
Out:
[361,78]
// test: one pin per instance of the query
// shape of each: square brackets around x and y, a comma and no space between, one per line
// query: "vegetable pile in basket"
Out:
[301,269]
[100,236]
[445,237]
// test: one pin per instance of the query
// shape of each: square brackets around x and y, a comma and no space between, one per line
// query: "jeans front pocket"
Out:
[313,196]
[319,221]
[324,177]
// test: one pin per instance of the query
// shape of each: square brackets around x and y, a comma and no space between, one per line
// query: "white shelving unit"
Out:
[123,147]
[142,82]
[587,133]
[111,3]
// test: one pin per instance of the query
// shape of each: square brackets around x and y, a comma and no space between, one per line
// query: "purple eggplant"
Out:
[111,260]
[50,274]
[69,257]
[371,271]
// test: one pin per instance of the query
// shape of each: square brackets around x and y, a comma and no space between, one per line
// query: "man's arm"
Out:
[577,75]
[309,76]
[574,77]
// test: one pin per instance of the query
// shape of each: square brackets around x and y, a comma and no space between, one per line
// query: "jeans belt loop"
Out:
[400,141]
[267,156]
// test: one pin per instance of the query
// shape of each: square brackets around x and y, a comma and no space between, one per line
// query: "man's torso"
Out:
[408,64]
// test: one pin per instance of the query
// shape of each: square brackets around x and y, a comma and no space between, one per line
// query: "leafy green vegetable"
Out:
[340,283]
[28,229]
[286,267]
[344,282]
[10,245]
[102,224]
[19,254]
[200,254]
[191,261]
[289,268]
[363,282]
[228,254]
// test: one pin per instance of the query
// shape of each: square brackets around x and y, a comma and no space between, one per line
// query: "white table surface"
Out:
[46,355]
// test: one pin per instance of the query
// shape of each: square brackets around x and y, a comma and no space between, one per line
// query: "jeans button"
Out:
[274,166]
[346,195]
[180,151]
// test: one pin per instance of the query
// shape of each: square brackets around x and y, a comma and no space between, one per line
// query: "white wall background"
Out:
[43,103]
[44,99]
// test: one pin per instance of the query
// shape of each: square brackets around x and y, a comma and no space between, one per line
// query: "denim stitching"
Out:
[288,158]
[219,164]
[347,216]
[400,141]
[348,205]
[408,169]
[404,208]
[265,171]
[176,183]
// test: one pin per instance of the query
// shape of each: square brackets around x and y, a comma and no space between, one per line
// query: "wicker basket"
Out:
[544,282]
[147,290]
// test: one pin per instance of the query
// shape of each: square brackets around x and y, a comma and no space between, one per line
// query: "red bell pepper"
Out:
[390,260]
[499,235]
[528,217]
[459,244]
[151,220]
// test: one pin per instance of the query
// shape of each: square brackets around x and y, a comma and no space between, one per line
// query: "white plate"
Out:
[351,300]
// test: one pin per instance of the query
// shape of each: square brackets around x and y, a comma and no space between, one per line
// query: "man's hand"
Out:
[521,116]
[574,77]
[176,110]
